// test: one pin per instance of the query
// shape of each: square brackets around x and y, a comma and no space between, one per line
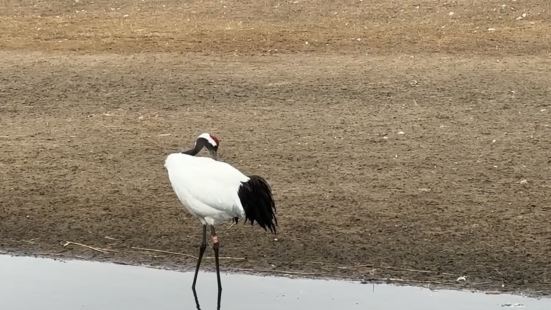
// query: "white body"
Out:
[207,188]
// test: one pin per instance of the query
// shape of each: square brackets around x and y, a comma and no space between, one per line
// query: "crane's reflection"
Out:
[197,298]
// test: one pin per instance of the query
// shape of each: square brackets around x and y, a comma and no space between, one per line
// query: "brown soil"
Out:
[402,141]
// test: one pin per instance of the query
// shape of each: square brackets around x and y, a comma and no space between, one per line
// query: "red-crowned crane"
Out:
[214,192]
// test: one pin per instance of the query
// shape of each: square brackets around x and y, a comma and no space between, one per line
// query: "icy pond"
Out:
[41,283]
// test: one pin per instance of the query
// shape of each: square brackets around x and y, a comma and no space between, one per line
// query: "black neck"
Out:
[198,147]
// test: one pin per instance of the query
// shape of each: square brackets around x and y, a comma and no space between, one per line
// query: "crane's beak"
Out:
[213,153]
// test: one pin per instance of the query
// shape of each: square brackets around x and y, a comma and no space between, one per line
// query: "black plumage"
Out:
[258,203]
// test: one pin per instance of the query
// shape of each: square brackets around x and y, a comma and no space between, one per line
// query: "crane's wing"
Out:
[205,186]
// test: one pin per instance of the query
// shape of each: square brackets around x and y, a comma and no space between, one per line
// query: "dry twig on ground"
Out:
[101,250]
[184,254]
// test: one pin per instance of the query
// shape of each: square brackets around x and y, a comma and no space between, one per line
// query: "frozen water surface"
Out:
[40,283]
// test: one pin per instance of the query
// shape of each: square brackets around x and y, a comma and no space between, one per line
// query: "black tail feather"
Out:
[258,203]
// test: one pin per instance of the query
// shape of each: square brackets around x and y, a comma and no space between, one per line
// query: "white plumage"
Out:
[207,188]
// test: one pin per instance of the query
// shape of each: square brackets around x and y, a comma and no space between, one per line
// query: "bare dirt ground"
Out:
[404,140]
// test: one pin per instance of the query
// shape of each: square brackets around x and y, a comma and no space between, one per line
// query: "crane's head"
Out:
[209,141]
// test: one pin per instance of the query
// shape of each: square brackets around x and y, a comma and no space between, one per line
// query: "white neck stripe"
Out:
[209,138]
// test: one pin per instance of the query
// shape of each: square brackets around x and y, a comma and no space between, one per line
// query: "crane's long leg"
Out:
[196,299]
[215,246]
[201,252]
